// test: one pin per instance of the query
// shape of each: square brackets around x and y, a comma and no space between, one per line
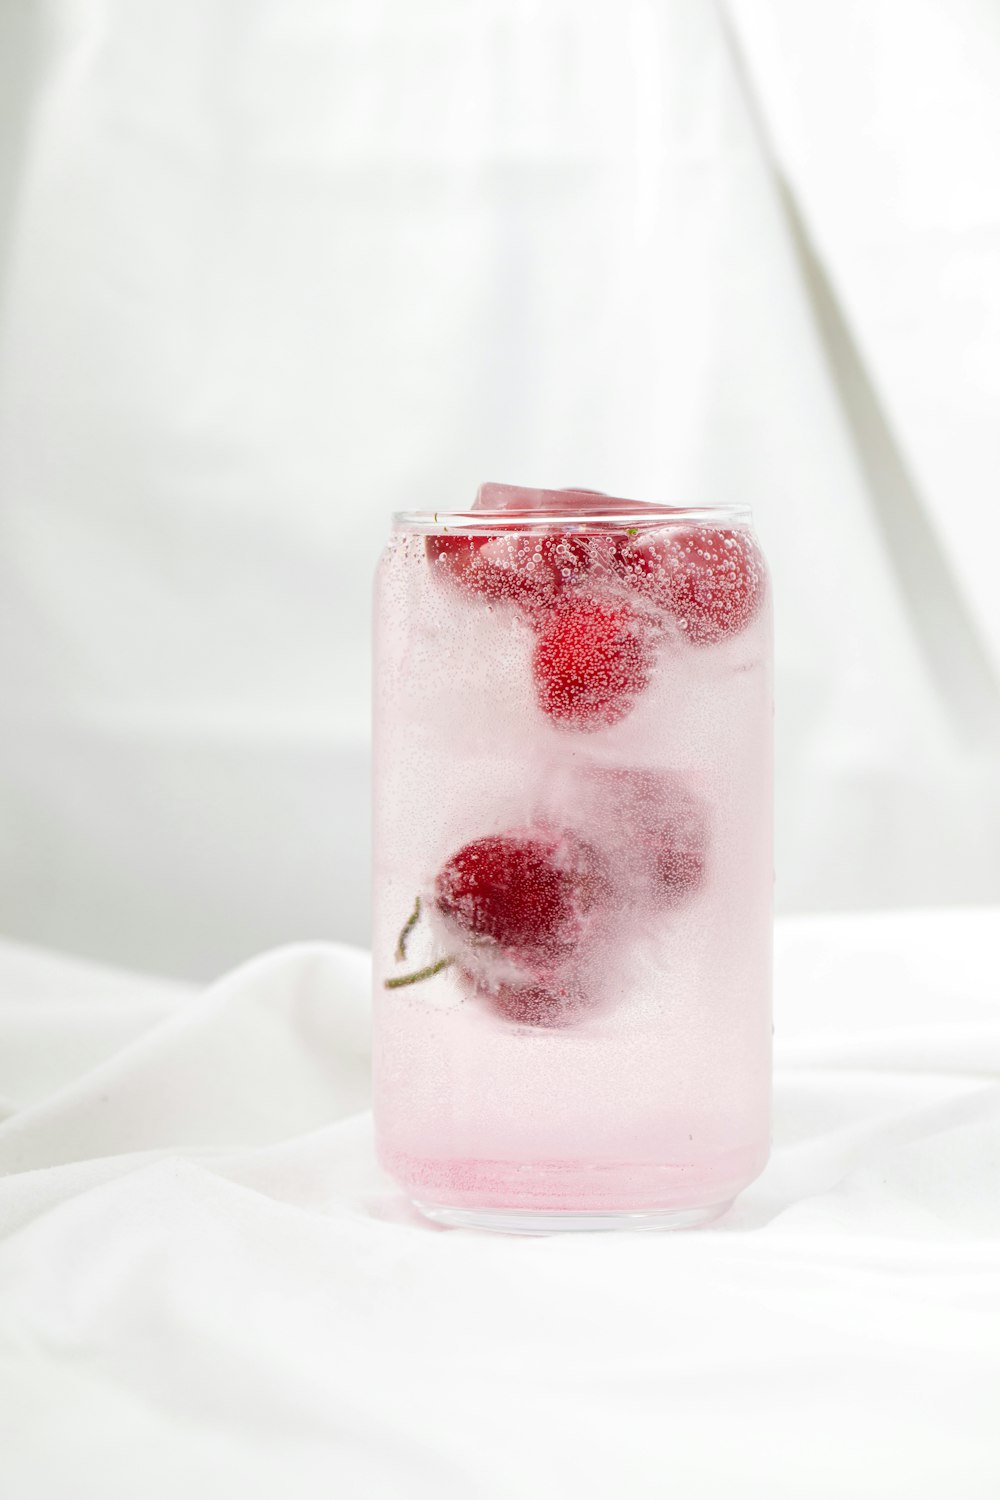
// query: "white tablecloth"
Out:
[208,1289]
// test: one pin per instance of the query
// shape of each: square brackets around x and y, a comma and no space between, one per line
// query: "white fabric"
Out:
[208,1289]
[270,271]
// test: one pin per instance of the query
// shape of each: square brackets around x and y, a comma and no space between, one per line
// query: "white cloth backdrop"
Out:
[270,270]
[208,1290]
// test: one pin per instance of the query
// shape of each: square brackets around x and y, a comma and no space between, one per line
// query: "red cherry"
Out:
[569,557]
[655,828]
[677,871]
[711,581]
[520,897]
[489,567]
[536,1004]
[590,665]
[509,569]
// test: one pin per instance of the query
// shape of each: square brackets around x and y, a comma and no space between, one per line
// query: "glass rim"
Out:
[622,518]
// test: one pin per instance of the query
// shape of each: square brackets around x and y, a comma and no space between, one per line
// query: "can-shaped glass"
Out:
[572,862]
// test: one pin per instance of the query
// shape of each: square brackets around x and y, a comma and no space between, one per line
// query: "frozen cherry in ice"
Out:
[487,567]
[673,843]
[547,1005]
[521,896]
[590,665]
[516,908]
[568,557]
[711,581]
[529,571]
[654,829]
[677,865]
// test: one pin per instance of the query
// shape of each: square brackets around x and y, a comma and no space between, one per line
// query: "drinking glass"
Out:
[573,866]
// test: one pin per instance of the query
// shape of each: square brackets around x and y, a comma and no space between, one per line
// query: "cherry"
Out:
[520,897]
[677,872]
[568,556]
[590,665]
[711,581]
[509,569]
[536,1004]
[655,829]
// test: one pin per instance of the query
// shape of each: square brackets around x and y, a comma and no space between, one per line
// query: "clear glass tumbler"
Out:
[573,867]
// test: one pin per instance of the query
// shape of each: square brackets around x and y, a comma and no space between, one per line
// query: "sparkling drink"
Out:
[573,868]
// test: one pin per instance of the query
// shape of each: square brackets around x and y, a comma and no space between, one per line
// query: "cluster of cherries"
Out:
[528,912]
[523,911]
[597,602]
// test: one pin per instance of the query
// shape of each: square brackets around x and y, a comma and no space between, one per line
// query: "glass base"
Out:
[556,1221]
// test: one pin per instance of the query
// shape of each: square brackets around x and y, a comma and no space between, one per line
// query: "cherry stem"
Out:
[408,927]
[427,973]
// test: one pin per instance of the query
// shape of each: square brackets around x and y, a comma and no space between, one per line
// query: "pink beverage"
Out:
[572,861]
